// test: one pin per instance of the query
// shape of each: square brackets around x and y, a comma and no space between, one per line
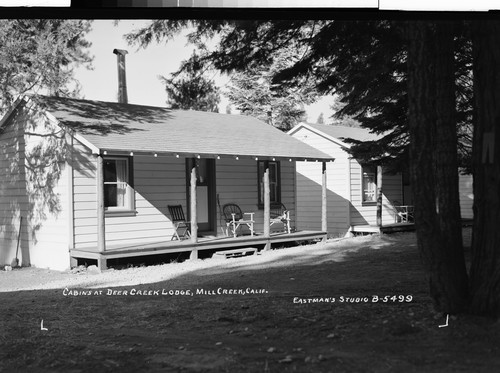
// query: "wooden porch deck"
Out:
[386,228]
[204,243]
[394,227]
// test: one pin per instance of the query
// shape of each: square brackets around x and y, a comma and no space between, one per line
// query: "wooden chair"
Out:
[182,227]
[403,212]
[234,218]
[280,214]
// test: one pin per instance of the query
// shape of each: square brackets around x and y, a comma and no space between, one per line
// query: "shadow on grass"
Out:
[255,332]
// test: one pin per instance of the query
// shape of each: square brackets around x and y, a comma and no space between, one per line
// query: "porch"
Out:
[188,245]
[386,228]
[395,227]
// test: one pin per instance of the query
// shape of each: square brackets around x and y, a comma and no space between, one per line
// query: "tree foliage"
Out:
[339,119]
[364,62]
[253,92]
[40,55]
[190,89]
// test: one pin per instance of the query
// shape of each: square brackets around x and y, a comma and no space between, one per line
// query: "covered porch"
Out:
[199,211]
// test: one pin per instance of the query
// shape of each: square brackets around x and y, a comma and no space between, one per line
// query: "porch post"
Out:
[324,222]
[267,205]
[101,230]
[379,196]
[194,218]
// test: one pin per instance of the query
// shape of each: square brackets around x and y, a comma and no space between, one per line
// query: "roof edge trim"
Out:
[111,152]
[94,149]
[11,110]
[319,133]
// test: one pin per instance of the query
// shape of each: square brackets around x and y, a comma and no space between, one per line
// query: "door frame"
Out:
[210,227]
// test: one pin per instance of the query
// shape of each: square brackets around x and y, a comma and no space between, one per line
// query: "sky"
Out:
[144,66]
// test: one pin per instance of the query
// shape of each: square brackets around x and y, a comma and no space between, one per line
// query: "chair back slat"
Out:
[277,211]
[176,212]
[232,208]
[397,206]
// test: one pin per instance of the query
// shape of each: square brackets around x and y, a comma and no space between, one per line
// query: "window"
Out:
[118,192]
[274,182]
[369,174]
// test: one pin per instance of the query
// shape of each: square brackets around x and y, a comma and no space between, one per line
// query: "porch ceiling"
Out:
[115,127]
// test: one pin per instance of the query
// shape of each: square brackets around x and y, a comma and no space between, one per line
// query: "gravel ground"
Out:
[31,278]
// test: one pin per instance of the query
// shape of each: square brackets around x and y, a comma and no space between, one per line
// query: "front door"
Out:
[205,192]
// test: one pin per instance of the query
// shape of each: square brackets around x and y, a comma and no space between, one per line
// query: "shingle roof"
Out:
[126,127]
[342,132]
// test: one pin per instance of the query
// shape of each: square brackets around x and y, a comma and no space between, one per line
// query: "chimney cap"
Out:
[120,51]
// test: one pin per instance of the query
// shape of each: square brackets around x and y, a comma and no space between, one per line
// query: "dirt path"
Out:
[281,318]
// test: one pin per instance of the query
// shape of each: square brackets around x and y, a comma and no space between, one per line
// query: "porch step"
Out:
[235,253]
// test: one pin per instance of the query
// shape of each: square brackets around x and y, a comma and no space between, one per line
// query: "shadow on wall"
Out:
[369,212]
[309,202]
[33,156]
[13,194]
[309,207]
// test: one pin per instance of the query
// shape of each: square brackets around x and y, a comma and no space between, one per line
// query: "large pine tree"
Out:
[190,89]
[39,55]
[253,92]
[433,161]
[485,269]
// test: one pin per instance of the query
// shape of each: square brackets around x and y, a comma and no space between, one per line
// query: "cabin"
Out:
[82,179]
[351,186]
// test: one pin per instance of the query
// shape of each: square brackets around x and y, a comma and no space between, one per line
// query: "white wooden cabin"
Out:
[93,179]
[350,186]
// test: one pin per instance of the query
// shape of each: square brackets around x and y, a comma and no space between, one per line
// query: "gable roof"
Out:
[120,127]
[339,133]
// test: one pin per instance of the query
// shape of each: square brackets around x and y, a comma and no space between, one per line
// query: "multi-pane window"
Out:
[274,182]
[117,190]
[369,184]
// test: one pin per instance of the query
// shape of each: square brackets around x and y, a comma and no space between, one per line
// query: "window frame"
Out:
[129,198]
[260,197]
[368,169]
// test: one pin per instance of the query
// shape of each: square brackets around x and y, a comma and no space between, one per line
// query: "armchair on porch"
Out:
[182,227]
[403,213]
[280,214]
[234,218]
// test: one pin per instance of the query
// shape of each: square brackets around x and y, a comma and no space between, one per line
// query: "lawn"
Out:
[353,305]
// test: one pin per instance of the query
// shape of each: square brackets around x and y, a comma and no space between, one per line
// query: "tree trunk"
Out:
[485,268]
[433,166]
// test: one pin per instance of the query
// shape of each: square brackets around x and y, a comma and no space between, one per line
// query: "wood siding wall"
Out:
[362,214]
[309,180]
[34,184]
[345,207]
[237,183]
[159,182]
[84,197]
[466,196]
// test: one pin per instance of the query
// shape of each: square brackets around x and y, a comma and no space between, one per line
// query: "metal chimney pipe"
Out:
[122,80]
